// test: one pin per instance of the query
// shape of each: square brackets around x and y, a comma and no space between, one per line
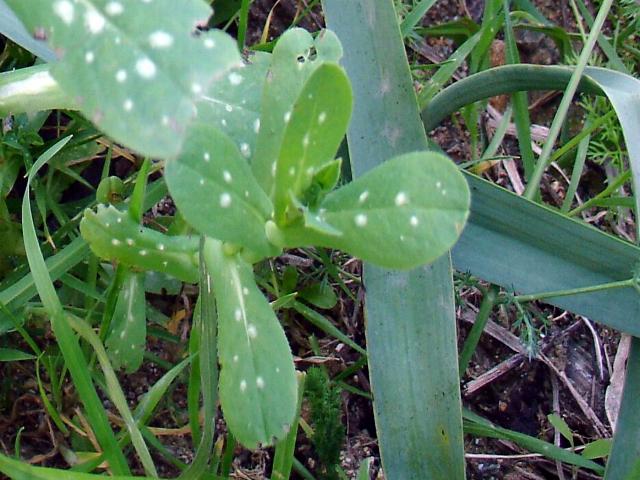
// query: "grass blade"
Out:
[402,346]
[506,228]
[624,461]
[13,29]
[74,358]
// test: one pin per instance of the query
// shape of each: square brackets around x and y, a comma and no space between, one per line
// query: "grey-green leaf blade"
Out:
[318,122]
[114,235]
[127,339]
[295,57]
[233,103]
[136,69]
[215,191]
[258,388]
[402,214]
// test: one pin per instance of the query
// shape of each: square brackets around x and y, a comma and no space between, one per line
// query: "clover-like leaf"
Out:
[233,103]
[215,191]
[258,388]
[402,214]
[295,57]
[114,235]
[127,338]
[135,68]
[318,122]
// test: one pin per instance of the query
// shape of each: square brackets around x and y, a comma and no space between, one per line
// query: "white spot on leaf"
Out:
[243,385]
[114,8]
[401,199]
[89,57]
[260,382]
[128,106]
[252,331]
[94,20]
[287,117]
[64,9]
[363,197]
[121,76]
[361,220]
[235,78]
[245,149]
[322,117]
[256,125]
[225,200]
[115,242]
[227,176]
[414,221]
[160,39]
[146,68]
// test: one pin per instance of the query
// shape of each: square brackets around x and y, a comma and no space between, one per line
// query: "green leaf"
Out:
[18,470]
[320,294]
[560,425]
[216,193]
[136,69]
[318,122]
[258,388]
[114,235]
[412,362]
[599,449]
[12,355]
[127,339]
[295,57]
[407,212]
[233,104]
[12,28]
[476,425]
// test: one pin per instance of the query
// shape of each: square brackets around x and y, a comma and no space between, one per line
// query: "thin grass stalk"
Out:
[533,186]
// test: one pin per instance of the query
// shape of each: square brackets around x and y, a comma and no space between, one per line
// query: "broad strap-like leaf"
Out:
[114,235]
[213,187]
[404,213]
[318,123]
[258,389]
[295,57]
[233,104]
[127,338]
[135,68]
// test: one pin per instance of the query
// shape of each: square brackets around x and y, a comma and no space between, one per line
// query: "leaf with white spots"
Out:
[115,236]
[402,214]
[127,337]
[294,59]
[232,104]
[213,187]
[135,68]
[318,122]
[258,388]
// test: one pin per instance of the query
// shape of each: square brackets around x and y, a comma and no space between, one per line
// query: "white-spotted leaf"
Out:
[402,214]
[232,104]
[127,338]
[215,191]
[135,68]
[258,388]
[318,123]
[114,235]
[295,57]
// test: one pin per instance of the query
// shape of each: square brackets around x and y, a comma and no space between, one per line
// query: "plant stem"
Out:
[534,184]
[631,282]
[30,90]
[482,318]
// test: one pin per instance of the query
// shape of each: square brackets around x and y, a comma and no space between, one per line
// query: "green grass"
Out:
[80,283]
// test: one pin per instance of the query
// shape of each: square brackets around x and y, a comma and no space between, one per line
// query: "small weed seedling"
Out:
[249,147]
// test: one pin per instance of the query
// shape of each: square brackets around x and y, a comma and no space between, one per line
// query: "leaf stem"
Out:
[631,282]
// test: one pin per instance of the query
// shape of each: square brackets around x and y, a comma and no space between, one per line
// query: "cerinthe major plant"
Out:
[248,146]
